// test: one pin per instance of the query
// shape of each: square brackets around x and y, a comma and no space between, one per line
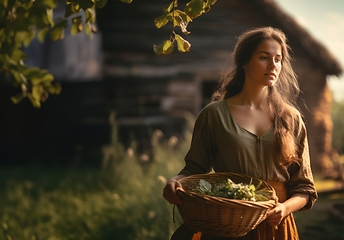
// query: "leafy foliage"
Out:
[231,190]
[181,19]
[23,20]
[20,22]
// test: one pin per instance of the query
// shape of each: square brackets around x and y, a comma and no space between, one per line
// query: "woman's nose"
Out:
[272,64]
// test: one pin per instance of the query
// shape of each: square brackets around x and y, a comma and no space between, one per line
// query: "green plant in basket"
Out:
[231,190]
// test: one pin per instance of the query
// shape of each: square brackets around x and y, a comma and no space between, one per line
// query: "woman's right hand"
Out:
[170,190]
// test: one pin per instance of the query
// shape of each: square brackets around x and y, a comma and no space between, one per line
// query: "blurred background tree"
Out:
[338,126]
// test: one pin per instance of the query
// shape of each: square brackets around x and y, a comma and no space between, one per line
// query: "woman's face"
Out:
[265,65]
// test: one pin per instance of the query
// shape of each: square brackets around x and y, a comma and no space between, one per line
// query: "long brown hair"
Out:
[282,96]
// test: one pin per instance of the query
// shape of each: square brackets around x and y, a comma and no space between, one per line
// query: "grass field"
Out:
[120,201]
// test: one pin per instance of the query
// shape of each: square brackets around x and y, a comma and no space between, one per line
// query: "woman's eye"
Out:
[263,57]
[277,60]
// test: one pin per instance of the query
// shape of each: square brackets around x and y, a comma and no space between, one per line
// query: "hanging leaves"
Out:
[23,20]
[76,25]
[183,45]
[101,3]
[163,19]
[165,48]
[196,8]
[20,23]
[36,85]
[181,19]
[57,32]
[42,33]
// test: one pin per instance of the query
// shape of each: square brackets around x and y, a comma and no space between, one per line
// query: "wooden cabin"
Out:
[150,92]
[182,82]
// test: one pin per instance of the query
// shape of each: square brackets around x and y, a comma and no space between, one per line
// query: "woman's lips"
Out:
[270,74]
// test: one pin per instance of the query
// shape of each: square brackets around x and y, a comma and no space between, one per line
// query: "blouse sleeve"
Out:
[301,177]
[198,158]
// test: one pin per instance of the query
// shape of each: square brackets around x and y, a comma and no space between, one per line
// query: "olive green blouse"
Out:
[220,144]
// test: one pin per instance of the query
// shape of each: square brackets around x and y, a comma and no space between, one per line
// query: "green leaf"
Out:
[163,19]
[166,16]
[75,7]
[46,79]
[33,72]
[170,7]
[126,1]
[204,186]
[54,88]
[29,36]
[50,17]
[183,45]
[88,29]
[76,28]
[165,48]
[76,25]
[37,91]
[41,34]
[195,8]
[16,77]
[181,20]
[57,32]
[101,3]
[35,102]
[17,98]
[211,2]
[38,76]
[90,15]
[8,60]
[18,55]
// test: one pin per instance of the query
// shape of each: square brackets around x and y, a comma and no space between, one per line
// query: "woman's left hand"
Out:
[275,215]
[295,203]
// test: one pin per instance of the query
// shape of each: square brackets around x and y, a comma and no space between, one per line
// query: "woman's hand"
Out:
[170,190]
[275,215]
[295,203]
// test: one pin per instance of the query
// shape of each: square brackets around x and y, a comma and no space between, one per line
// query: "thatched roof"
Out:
[312,47]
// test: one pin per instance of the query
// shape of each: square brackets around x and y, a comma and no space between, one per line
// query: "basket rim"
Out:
[222,200]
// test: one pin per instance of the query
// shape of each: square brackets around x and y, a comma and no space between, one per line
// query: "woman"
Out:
[253,127]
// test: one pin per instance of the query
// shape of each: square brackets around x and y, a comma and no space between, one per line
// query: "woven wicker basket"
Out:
[219,216]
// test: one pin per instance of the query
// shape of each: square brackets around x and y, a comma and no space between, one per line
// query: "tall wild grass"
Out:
[121,200]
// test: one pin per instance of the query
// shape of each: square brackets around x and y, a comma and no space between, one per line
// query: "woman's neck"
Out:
[251,97]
